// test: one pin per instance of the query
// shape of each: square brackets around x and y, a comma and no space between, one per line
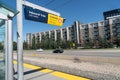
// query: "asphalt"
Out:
[93,52]
[94,55]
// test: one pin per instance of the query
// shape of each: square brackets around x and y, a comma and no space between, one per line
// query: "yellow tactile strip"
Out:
[55,73]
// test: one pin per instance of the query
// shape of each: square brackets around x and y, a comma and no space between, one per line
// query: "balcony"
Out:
[118,35]
[114,34]
[114,29]
[113,25]
[96,30]
[96,34]
[86,29]
[118,27]
[106,29]
[86,38]
[106,23]
[118,30]
[86,35]
[86,32]
[96,37]
[117,20]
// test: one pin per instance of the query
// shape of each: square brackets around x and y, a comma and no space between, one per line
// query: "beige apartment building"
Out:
[81,34]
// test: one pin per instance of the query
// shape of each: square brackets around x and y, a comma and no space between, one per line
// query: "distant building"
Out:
[111,13]
[82,34]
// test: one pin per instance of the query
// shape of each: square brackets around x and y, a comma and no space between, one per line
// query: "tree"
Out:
[1,46]
[104,43]
[25,46]
[33,43]
[50,43]
[54,44]
[68,43]
[38,44]
[64,44]
[91,44]
[14,45]
[118,41]
[59,40]
[100,40]
[45,42]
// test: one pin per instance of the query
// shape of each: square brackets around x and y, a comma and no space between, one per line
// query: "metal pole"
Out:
[6,55]
[19,40]
[10,50]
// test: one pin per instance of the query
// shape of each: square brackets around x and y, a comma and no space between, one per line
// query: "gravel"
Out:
[92,70]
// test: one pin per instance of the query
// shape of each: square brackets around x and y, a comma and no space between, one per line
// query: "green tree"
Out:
[50,43]
[59,41]
[91,44]
[45,42]
[25,46]
[68,44]
[38,44]
[14,45]
[118,41]
[1,46]
[33,43]
[64,44]
[104,43]
[54,44]
[100,40]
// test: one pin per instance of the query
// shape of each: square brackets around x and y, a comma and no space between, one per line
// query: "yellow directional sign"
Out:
[41,16]
[55,20]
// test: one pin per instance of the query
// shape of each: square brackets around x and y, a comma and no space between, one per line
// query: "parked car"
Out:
[39,50]
[58,50]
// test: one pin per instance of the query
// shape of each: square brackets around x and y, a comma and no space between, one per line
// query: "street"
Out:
[94,52]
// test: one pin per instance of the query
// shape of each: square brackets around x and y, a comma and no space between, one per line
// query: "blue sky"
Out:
[85,11]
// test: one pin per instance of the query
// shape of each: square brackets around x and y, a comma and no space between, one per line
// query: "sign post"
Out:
[35,13]
[19,41]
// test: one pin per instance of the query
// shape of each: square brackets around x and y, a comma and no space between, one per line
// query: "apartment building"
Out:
[81,34]
[111,13]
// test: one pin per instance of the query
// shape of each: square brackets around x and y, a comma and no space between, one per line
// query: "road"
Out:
[98,53]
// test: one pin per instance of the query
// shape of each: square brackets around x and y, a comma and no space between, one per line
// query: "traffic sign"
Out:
[41,16]
[55,20]
[35,14]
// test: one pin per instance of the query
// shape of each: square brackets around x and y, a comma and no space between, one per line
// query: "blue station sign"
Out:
[35,14]
[41,16]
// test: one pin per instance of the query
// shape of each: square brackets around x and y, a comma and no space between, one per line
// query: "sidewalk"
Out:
[32,72]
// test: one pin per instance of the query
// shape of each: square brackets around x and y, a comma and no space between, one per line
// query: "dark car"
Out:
[58,50]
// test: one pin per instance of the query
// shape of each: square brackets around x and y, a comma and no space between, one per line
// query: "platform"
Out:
[32,72]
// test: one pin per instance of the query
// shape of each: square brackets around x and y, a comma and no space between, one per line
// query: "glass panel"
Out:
[2,52]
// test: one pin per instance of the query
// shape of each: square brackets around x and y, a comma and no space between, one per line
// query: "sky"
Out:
[85,11]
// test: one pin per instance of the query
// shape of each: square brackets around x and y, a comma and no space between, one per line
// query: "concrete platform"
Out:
[32,72]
